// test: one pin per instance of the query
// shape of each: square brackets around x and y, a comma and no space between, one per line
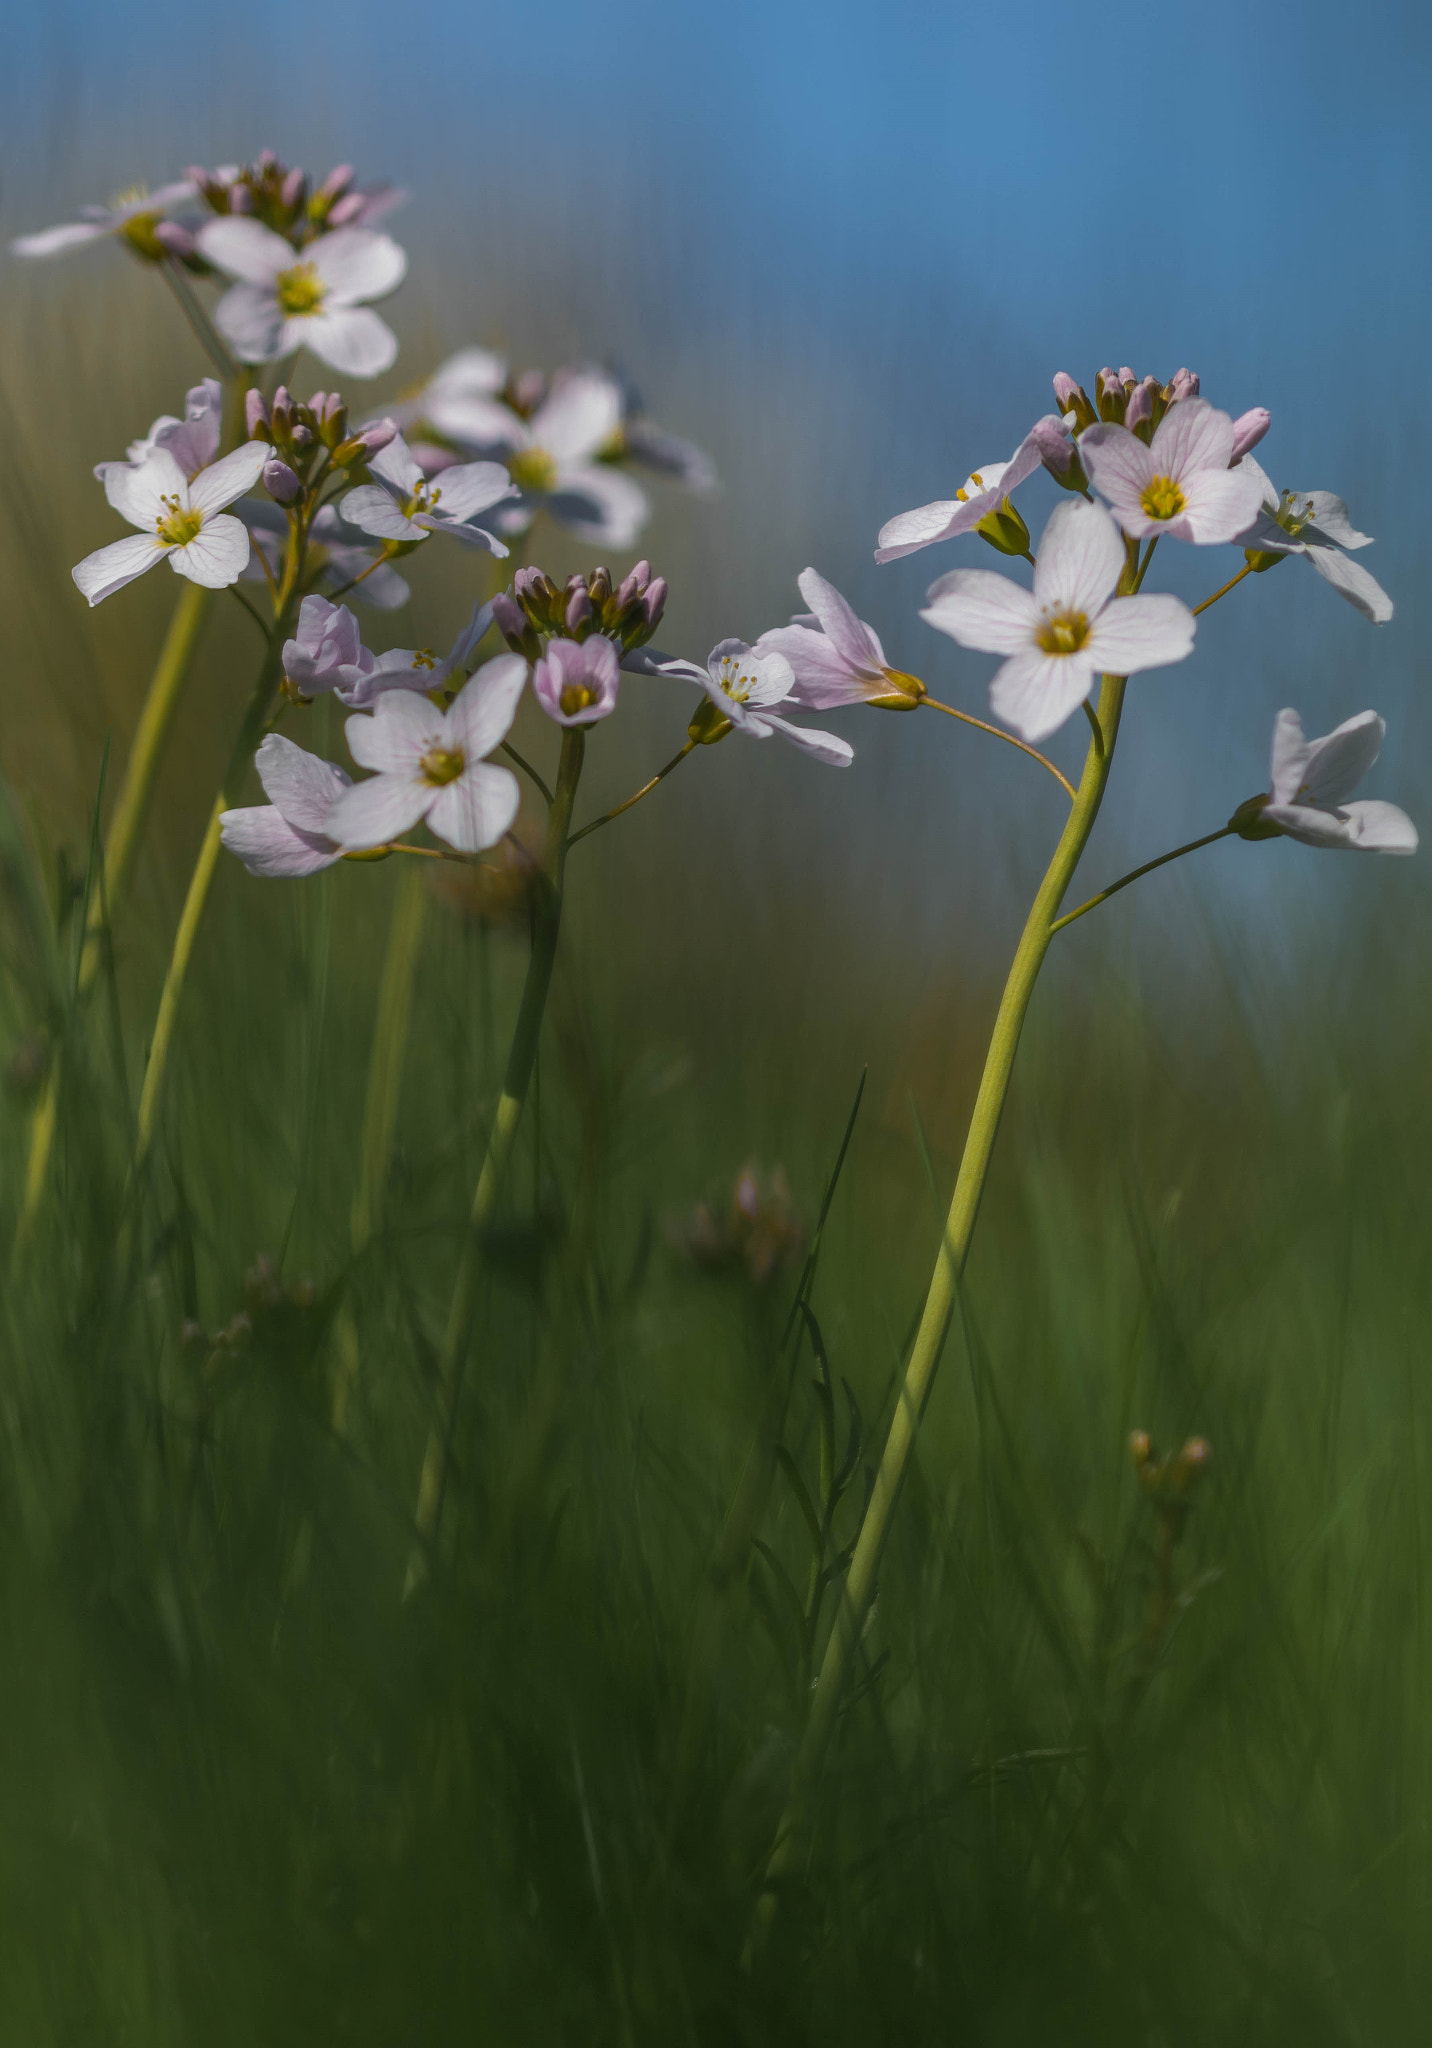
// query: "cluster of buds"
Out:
[279,198]
[302,435]
[535,609]
[756,1233]
[268,1301]
[1169,1481]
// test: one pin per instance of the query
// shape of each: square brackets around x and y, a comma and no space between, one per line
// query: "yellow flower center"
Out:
[424,499]
[736,681]
[178,524]
[442,765]
[300,290]
[1293,513]
[424,657]
[532,469]
[1065,633]
[576,697]
[138,231]
[979,483]
[1162,498]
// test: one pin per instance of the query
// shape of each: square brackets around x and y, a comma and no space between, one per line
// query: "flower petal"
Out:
[471,487]
[301,786]
[373,812]
[355,264]
[1035,692]
[979,609]
[71,234]
[1352,581]
[850,636]
[352,339]
[908,532]
[824,679]
[1381,827]
[1331,520]
[1192,436]
[826,747]
[1219,505]
[579,414]
[223,481]
[1290,756]
[599,504]
[668,455]
[394,738]
[477,809]
[245,249]
[590,665]
[372,510]
[478,421]
[1080,559]
[268,845]
[397,466]
[99,575]
[249,319]
[1334,765]
[481,714]
[1135,633]
[137,491]
[218,554]
[1120,468]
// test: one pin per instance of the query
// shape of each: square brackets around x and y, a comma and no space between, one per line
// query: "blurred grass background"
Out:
[249,1793]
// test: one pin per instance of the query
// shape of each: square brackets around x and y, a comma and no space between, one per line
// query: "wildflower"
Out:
[316,298]
[288,835]
[1312,780]
[981,494]
[192,441]
[180,518]
[133,217]
[836,657]
[400,504]
[743,684]
[535,609]
[1315,524]
[327,653]
[1179,482]
[553,457]
[1070,628]
[757,1230]
[279,198]
[431,764]
[462,400]
[576,681]
[334,560]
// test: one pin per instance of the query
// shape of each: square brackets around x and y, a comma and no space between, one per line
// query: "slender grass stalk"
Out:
[859,1590]
[520,1061]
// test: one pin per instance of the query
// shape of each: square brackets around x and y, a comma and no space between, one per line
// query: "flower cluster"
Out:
[535,609]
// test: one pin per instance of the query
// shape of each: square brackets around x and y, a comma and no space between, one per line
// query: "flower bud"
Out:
[906,692]
[345,209]
[1112,396]
[1128,378]
[256,416]
[1072,397]
[641,574]
[1248,430]
[1248,820]
[528,391]
[599,584]
[1004,530]
[333,425]
[1141,1448]
[294,190]
[281,413]
[241,200]
[513,627]
[281,482]
[334,185]
[174,240]
[1182,384]
[579,611]
[627,590]
[653,603]
[1139,411]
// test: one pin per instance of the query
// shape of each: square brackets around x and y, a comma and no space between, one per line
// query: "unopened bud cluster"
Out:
[282,199]
[301,435]
[1168,1481]
[537,609]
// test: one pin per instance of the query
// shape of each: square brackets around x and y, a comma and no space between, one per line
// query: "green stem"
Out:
[520,1062]
[1147,869]
[859,1589]
[1233,581]
[645,790]
[999,733]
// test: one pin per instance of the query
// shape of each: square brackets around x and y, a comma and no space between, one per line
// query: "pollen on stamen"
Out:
[1064,633]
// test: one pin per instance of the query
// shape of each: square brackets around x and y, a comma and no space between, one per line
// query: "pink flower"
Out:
[181,519]
[288,836]
[1315,524]
[835,657]
[981,493]
[401,503]
[315,298]
[576,682]
[1179,483]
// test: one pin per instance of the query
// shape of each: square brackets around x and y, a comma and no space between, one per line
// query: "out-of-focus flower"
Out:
[980,496]
[327,653]
[335,557]
[1068,629]
[1179,483]
[743,686]
[192,441]
[402,505]
[536,609]
[836,658]
[576,681]
[755,1232]
[553,457]
[133,218]
[492,892]
[1311,783]
[288,835]
[316,298]
[431,764]
[278,197]
[181,520]
[1314,524]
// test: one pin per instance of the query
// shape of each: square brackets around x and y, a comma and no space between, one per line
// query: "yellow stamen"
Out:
[300,290]
[442,765]
[1162,498]
[178,524]
[532,469]
[1065,633]
[576,697]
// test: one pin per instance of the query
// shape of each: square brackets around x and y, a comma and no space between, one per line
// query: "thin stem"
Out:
[645,790]
[860,1584]
[527,769]
[384,555]
[1246,570]
[252,609]
[1147,869]
[521,1058]
[209,340]
[1143,570]
[980,726]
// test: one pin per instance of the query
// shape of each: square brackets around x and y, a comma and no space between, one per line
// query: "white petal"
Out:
[1219,505]
[249,319]
[577,417]
[1290,756]
[138,493]
[907,532]
[371,509]
[1334,765]
[849,636]
[479,422]
[1134,633]
[301,786]
[99,575]
[352,339]
[1192,436]
[1119,467]
[1270,499]
[223,481]
[1035,692]
[471,487]
[826,747]
[373,812]
[470,370]
[397,735]
[470,536]
[1311,827]
[1080,559]
[824,679]
[979,609]
[1350,580]
[217,555]
[1331,520]
[471,635]
[1381,828]
[599,504]
[245,249]
[481,714]
[355,264]
[268,845]
[477,809]
[73,234]
[397,466]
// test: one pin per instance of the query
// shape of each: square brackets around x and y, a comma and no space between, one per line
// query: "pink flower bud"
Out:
[642,574]
[579,611]
[256,416]
[294,190]
[1248,430]
[173,239]
[627,589]
[1182,384]
[336,183]
[280,481]
[1127,378]
[378,434]
[345,209]
[1072,397]
[241,200]
[529,390]
[1051,438]
[1141,402]
[506,617]
[653,602]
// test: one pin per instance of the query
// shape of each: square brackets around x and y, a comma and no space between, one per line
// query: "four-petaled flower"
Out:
[576,681]
[192,441]
[327,653]
[745,684]
[133,216]
[1312,780]
[1068,629]
[431,764]
[1315,524]
[181,519]
[982,492]
[316,298]
[403,505]
[836,658]
[1179,483]
[288,835]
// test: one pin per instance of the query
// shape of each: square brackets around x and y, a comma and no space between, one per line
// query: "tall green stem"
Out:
[518,1078]
[940,1300]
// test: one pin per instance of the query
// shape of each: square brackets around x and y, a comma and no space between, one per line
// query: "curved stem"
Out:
[860,1584]
[1147,869]
[528,770]
[999,733]
[209,339]
[385,554]
[645,790]
[520,1061]
[1246,570]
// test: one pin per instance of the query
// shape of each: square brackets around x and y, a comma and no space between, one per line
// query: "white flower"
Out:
[1312,780]
[334,558]
[981,493]
[461,400]
[327,653]
[192,441]
[288,836]
[431,764]
[133,215]
[1180,482]
[1315,524]
[836,658]
[552,456]
[1069,629]
[315,298]
[745,684]
[403,505]
[181,518]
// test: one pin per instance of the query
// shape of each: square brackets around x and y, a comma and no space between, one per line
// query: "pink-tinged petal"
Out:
[99,575]
[580,414]
[481,714]
[472,487]
[1249,429]
[1334,765]
[218,554]
[394,738]
[355,264]
[371,509]
[1380,827]
[668,455]
[1270,500]
[381,809]
[471,635]
[1080,559]
[1120,468]
[353,340]
[302,787]
[138,494]
[475,371]
[590,666]
[328,638]
[1330,520]
[825,747]
[1191,436]
[823,679]
[762,675]
[908,532]
[477,809]
[479,422]
[162,197]
[1034,693]
[850,636]
[249,319]
[599,504]
[979,609]
[228,478]
[246,250]
[269,846]
[1136,633]
[1290,756]
[73,234]
[1352,581]
[397,466]
[1219,505]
